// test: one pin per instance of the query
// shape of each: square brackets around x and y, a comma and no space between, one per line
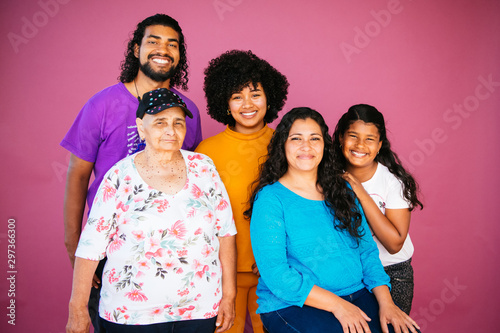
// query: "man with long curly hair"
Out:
[105,131]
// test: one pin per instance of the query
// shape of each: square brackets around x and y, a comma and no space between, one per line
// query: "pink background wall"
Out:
[431,67]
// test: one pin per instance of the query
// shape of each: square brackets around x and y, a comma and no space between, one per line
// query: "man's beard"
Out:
[157,76]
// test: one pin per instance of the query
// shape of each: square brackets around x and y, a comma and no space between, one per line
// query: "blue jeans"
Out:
[307,319]
[185,326]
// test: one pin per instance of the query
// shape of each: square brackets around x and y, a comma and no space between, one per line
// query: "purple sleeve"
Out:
[84,136]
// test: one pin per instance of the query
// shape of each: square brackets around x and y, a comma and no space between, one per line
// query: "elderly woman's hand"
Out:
[225,318]
[227,255]
[78,320]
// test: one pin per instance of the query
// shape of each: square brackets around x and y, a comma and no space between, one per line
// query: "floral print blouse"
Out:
[162,250]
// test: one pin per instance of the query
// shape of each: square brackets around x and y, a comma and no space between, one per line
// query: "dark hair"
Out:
[339,197]
[130,65]
[234,70]
[386,156]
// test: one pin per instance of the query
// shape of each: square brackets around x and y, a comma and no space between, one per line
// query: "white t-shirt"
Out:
[163,250]
[387,192]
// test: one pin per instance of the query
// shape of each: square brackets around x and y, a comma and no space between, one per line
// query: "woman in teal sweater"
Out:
[319,266]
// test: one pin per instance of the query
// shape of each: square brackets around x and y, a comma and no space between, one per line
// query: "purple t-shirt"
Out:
[104,132]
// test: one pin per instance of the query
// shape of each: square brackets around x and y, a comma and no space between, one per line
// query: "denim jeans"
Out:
[307,319]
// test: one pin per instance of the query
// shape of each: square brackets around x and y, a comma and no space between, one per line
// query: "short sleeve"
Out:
[395,198]
[101,224]
[223,212]
[84,136]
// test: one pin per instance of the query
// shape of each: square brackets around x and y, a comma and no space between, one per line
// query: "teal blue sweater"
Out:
[296,246]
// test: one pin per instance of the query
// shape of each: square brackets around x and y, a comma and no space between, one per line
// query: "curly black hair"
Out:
[234,70]
[386,156]
[130,65]
[339,197]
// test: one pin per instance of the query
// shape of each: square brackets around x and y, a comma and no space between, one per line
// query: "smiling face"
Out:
[304,146]
[164,131]
[360,145]
[248,108]
[158,53]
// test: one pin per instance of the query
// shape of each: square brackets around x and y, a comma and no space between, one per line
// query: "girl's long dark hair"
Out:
[386,156]
[338,196]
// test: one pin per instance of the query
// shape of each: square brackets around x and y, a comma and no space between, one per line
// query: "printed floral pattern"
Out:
[163,263]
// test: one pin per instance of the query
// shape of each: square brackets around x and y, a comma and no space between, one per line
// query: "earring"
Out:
[228,112]
[268,107]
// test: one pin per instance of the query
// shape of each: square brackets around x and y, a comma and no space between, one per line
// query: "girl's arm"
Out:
[392,228]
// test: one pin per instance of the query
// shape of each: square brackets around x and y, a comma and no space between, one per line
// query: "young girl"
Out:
[386,191]
[245,93]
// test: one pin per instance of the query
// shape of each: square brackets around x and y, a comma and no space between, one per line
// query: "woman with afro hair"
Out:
[245,93]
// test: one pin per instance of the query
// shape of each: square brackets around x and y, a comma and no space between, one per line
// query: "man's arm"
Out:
[77,183]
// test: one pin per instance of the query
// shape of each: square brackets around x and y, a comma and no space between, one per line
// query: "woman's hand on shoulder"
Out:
[391,314]
[352,318]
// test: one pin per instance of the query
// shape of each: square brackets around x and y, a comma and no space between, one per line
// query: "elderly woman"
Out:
[319,265]
[163,220]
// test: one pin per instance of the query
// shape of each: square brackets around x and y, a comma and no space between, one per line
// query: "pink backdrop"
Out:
[430,66]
